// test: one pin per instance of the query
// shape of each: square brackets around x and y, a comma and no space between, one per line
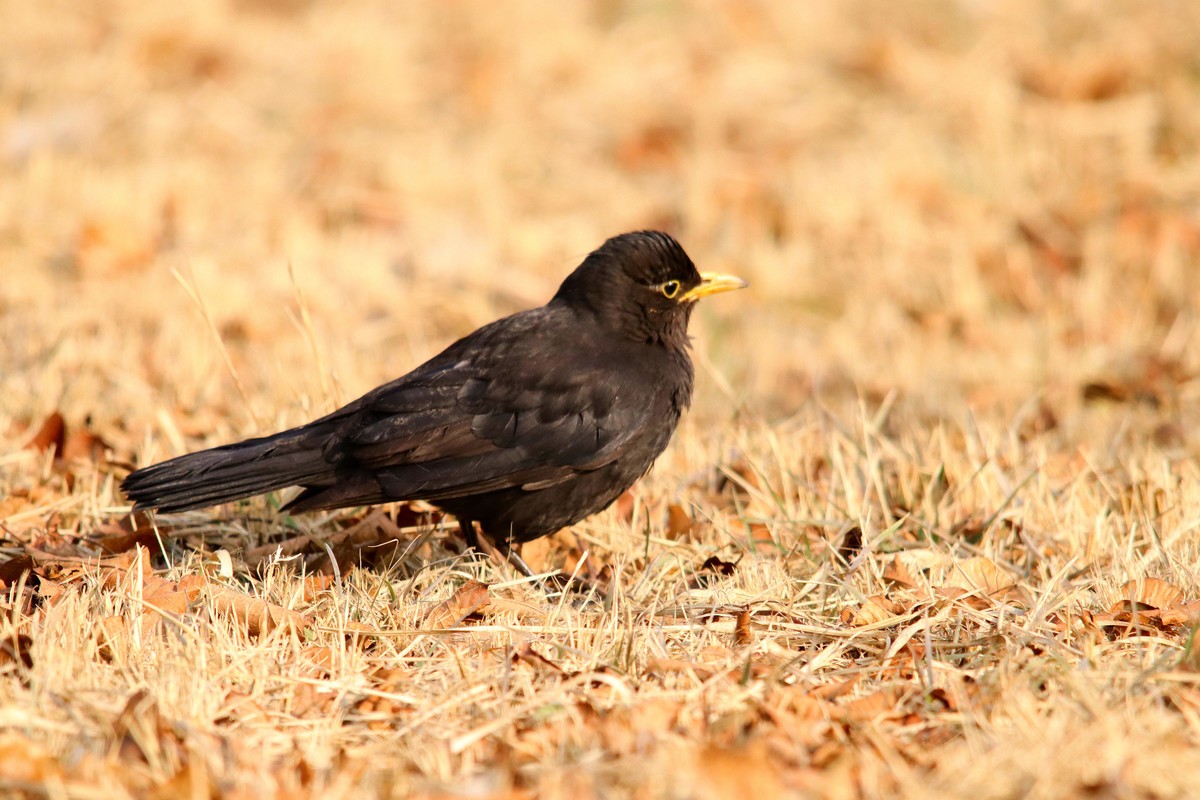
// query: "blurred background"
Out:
[988,208]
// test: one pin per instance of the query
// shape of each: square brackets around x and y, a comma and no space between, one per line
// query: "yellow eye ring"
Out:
[670,289]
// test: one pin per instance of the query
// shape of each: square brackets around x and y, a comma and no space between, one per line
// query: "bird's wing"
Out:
[469,428]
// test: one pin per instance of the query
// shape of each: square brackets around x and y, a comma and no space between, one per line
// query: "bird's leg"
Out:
[477,539]
[470,535]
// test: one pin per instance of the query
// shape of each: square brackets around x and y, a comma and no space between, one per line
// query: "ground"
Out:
[930,529]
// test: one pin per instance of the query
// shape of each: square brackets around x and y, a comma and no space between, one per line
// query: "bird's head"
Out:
[642,285]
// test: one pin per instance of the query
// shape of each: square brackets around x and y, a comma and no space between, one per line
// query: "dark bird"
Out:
[525,426]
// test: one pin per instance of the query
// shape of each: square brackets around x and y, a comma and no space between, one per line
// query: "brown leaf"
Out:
[1182,614]
[15,649]
[1151,593]
[173,597]
[878,609]
[12,570]
[624,506]
[84,445]
[673,666]
[316,661]
[981,575]
[49,435]
[897,573]
[469,598]
[851,544]
[831,691]
[679,523]
[259,616]
[758,537]
[361,636]
[385,681]
[116,569]
[738,477]
[316,584]
[527,655]
[128,532]
[720,567]
[67,444]
[742,635]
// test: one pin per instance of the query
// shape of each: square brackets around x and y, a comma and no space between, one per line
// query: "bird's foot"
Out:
[510,555]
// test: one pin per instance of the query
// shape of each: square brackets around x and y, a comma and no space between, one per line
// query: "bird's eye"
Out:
[670,288]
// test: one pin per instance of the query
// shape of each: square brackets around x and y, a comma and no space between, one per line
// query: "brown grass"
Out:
[943,451]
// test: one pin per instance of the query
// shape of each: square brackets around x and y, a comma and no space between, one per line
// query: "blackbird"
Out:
[525,426]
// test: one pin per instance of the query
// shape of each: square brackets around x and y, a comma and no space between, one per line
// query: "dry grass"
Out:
[973,233]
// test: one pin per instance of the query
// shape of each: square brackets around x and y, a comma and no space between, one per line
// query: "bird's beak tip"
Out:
[714,283]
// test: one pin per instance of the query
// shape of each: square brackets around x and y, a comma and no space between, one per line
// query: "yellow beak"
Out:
[712,283]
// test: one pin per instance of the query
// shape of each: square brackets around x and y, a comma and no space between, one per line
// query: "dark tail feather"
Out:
[233,471]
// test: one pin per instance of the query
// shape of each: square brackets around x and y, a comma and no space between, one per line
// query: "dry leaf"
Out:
[851,545]
[315,661]
[49,435]
[259,616]
[624,506]
[981,575]
[1182,614]
[679,523]
[128,532]
[758,537]
[720,567]
[897,573]
[742,635]
[315,585]
[15,649]
[469,598]
[1151,593]
[878,609]
[527,655]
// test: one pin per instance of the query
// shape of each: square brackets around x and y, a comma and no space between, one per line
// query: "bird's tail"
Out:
[233,471]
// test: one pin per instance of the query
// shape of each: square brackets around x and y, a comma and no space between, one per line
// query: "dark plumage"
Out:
[525,426]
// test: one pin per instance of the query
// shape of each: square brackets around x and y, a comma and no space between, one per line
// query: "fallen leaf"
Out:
[679,523]
[715,564]
[314,585]
[851,545]
[450,613]
[527,655]
[742,635]
[897,573]
[1151,593]
[15,649]
[50,435]
[624,506]
[258,615]
[316,661]
[878,609]
[981,575]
